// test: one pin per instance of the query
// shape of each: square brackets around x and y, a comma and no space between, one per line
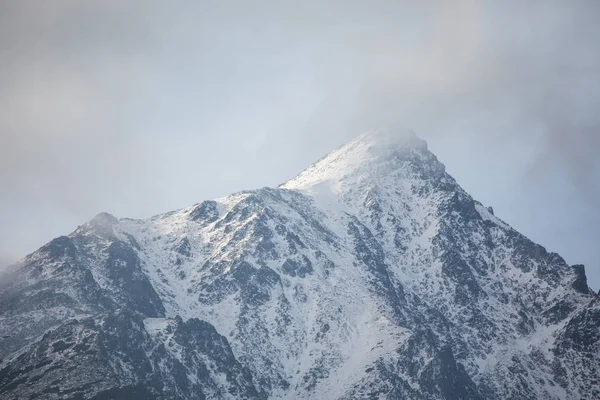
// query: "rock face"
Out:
[372,274]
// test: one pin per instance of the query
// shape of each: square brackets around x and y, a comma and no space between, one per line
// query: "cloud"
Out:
[139,107]
[519,72]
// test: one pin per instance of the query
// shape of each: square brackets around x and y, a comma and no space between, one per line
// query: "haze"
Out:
[138,108]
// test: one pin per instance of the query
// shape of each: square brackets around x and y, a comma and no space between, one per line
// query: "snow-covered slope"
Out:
[372,274]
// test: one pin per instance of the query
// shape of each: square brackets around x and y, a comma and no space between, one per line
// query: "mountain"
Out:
[372,274]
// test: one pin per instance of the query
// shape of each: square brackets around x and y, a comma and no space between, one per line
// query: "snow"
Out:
[488,216]
[351,182]
[332,320]
[336,167]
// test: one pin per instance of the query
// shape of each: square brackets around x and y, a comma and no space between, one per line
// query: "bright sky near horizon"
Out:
[140,107]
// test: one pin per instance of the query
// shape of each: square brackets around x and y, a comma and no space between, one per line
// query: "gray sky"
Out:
[140,107]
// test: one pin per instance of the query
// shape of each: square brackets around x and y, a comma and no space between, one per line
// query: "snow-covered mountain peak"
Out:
[373,154]
[389,165]
[104,219]
[102,224]
[372,274]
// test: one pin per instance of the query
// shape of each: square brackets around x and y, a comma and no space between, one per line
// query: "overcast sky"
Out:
[140,107]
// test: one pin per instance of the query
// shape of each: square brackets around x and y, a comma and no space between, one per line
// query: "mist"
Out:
[137,108]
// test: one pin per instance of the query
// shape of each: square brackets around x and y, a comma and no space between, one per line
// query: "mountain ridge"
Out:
[371,273]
